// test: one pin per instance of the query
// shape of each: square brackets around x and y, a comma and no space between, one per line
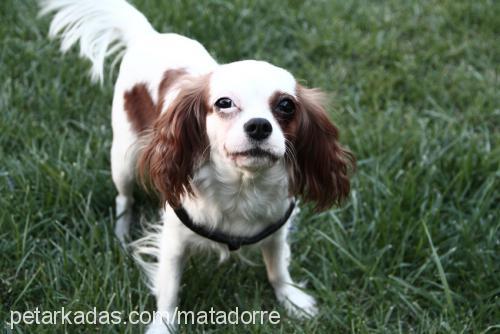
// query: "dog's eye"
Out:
[286,106]
[224,103]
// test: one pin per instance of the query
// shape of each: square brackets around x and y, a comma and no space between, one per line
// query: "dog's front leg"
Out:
[276,253]
[167,279]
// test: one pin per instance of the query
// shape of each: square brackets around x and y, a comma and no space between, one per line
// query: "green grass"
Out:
[415,88]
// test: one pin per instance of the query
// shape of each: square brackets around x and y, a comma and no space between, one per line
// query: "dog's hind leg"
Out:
[123,177]
[123,160]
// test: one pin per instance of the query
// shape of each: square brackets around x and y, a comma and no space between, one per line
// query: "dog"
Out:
[228,148]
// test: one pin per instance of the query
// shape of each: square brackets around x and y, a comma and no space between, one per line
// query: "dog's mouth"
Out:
[255,152]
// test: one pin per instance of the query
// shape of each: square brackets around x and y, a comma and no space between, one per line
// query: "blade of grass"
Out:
[442,275]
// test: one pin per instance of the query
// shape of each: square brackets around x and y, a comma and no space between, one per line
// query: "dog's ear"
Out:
[320,168]
[177,143]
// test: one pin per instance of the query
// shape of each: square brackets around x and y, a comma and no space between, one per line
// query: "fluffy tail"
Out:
[103,27]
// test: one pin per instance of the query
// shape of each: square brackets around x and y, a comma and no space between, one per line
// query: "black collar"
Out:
[232,242]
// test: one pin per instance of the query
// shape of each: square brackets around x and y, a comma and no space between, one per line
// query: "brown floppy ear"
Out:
[177,143]
[319,173]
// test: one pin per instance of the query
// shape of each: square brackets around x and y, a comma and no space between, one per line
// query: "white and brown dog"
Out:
[228,147]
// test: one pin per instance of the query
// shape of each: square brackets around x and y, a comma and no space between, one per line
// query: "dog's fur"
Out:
[197,151]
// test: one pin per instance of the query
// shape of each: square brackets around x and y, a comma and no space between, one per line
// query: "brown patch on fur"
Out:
[274,99]
[141,110]
[139,105]
[319,165]
[286,122]
[169,79]
[178,143]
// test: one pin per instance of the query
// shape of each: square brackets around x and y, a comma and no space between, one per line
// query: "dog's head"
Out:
[250,115]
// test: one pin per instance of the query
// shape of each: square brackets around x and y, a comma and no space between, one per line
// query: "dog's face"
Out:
[251,115]
[243,125]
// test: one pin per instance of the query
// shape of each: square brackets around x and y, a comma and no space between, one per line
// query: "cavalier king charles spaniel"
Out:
[229,148]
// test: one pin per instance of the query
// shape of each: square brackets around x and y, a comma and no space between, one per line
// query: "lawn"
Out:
[415,91]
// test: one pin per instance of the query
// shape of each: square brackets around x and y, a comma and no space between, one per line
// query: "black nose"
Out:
[258,128]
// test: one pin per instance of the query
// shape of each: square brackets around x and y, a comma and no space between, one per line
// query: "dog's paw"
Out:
[297,303]
[160,326]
